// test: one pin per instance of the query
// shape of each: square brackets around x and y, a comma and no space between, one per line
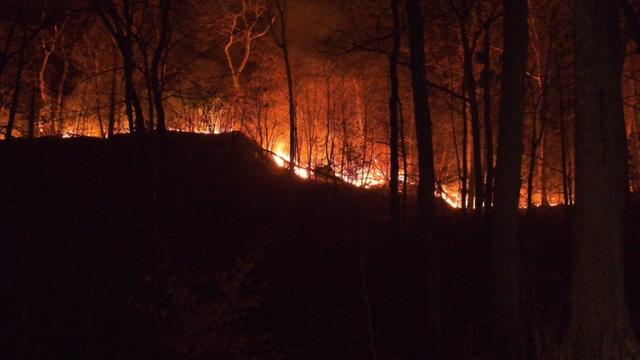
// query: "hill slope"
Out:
[198,246]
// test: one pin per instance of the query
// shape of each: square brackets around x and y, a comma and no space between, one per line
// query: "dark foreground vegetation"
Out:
[200,247]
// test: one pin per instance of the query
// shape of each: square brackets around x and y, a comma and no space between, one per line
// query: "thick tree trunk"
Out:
[504,230]
[599,327]
[426,185]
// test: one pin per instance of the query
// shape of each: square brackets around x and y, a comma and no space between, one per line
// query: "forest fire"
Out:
[320,179]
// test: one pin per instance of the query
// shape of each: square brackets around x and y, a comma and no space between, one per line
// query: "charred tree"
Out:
[504,228]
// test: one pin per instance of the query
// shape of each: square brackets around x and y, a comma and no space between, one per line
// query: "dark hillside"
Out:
[196,246]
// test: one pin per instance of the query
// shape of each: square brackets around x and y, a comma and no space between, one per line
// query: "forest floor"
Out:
[200,247]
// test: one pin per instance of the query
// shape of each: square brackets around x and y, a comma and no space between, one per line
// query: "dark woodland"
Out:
[320,179]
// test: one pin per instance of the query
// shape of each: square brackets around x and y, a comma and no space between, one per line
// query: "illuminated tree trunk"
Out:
[566,186]
[465,155]
[112,97]
[599,327]
[42,82]
[96,88]
[455,136]
[426,184]
[544,174]
[329,136]
[635,124]
[533,146]
[487,77]
[58,102]
[478,185]
[32,113]
[393,121]
[345,136]
[537,141]
[281,41]
[505,251]
[405,162]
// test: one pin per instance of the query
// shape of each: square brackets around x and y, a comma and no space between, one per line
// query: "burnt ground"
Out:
[196,246]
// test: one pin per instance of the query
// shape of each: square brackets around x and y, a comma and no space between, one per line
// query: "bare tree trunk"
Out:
[112,97]
[329,126]
[58,102]
[504,226]
[455,140]
[469,85]
[426,184]
[465,155]
[281,41]
[134,106]
[405,162]
[487,76]
[544,173]
[393,122]
[599,327]
[566,191]
[470,82]
[159,57]
[532,161]
[150,91]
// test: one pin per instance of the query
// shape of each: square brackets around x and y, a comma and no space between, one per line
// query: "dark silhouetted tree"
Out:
[599,327]
[505,253]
